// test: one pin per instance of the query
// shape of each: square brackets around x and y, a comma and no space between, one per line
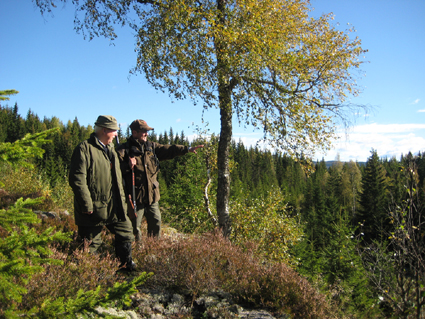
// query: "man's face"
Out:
[141,135]
[109,135]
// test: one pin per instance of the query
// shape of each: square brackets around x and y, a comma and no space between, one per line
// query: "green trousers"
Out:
[121,229]
[153,218]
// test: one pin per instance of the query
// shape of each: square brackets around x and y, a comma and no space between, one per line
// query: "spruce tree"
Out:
[4,123]
[335,181]
[183,139]
[372,217]
[22,252]
[171,136]
[242,173]
[351,187]
[395,177]
[164,139]
[12,124]
[33,124]
[17,129]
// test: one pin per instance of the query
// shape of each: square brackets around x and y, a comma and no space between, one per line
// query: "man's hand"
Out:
[193,149]
[132,162]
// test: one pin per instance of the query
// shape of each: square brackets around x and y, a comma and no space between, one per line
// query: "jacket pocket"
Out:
[152,163]
[100,211]
[140,194]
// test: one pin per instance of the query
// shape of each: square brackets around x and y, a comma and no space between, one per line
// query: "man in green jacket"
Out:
[143,157]
[99,197]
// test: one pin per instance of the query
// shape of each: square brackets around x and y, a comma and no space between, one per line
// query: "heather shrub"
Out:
[62,221]
[278,287]
[197,264]
[77,270]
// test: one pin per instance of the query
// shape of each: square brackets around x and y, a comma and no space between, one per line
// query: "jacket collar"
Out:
[135,142]
[95,140]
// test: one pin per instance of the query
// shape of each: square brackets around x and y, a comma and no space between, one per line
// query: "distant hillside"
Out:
[331,163]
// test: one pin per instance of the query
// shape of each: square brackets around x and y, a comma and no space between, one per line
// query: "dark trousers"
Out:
[153,218]
[123,238]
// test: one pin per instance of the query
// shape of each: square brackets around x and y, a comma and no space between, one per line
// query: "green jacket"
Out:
[97,184]
[147,167]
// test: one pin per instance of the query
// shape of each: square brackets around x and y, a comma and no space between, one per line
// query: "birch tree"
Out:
[266,62]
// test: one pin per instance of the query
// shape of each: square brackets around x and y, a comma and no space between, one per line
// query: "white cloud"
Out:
[386,128]
[178,120]
[389,140]
[421,111]
[416,101]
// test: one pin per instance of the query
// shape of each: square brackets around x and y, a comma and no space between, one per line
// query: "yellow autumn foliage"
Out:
[268,223]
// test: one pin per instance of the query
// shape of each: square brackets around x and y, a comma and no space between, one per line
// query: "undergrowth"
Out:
[198,264]
[190,265]
[17,182]
[79,270]
[46,274]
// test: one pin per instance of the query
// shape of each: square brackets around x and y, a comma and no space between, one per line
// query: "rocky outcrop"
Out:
[155,304]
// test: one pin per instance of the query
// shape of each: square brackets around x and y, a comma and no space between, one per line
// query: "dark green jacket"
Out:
[95,177]
[146,170]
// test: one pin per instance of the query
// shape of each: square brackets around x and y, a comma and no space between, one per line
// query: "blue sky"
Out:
[58,73]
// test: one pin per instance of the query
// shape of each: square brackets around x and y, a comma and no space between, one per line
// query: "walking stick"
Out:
[134,192]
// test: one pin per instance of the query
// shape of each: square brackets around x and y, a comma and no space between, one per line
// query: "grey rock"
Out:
[177,299]
[256,314]
[155,304]
[44,215]
[116,313]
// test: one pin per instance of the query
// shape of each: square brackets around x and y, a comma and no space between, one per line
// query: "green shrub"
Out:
[23,251]
[20,182]
[267,222]
[31,183]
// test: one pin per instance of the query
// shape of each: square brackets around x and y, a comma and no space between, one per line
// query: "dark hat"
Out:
[107,121]
[138,125]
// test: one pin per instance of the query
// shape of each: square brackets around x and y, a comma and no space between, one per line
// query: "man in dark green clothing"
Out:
[99,198]
[142,156]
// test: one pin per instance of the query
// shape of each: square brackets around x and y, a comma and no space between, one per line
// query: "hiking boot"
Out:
[128,267]
[123,252]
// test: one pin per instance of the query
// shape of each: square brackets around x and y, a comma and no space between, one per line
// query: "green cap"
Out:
[107,121]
